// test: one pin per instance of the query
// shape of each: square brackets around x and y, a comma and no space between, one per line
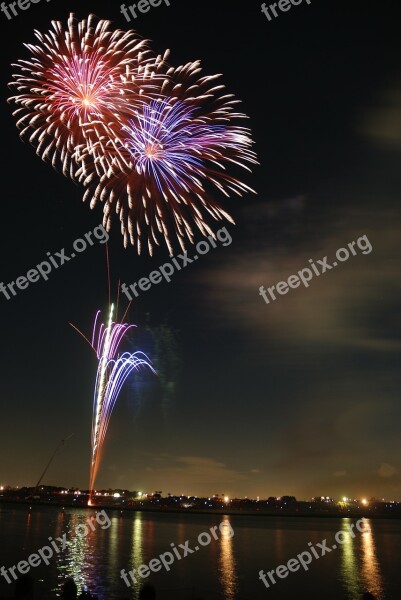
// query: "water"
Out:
[226,568]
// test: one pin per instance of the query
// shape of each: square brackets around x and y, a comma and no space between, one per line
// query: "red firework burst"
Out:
[77,85]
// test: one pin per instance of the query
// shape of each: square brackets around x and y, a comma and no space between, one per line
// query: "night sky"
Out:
[300,396]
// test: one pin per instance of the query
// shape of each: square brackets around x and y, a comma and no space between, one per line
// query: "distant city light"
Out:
[365,502]
[226,499]
[117,495]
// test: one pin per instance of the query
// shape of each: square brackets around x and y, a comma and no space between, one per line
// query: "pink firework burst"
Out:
[77,85]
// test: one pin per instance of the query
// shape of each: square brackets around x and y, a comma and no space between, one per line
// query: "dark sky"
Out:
[300,396]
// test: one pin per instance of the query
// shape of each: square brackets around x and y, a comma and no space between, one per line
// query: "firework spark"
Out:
[150,141]
[113,370]
[177,147]
[77,85]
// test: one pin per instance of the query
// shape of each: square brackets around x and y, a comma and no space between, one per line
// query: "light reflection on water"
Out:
[137,547]
[225,569]
[360,571]
[72,562]
[113,534]
[79,560]
[227,564]
[371,574]
[349,563]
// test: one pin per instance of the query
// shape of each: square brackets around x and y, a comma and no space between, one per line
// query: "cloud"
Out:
[339,473]
[383,122]
[340,308]
[308,439]
[200,470]
[386,470]
[188,475]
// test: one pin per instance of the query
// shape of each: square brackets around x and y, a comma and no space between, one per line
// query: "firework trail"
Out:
[149,141]
[112,372]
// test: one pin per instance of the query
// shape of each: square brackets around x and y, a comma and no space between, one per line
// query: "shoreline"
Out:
[198,511]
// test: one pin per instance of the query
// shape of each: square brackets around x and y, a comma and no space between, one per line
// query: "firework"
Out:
[177,147]
[77,85]
[150,141]
[113,370]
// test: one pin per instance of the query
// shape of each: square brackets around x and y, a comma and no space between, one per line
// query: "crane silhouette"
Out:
[60,445]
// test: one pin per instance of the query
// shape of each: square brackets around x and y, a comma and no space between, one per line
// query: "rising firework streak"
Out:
[112,372]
